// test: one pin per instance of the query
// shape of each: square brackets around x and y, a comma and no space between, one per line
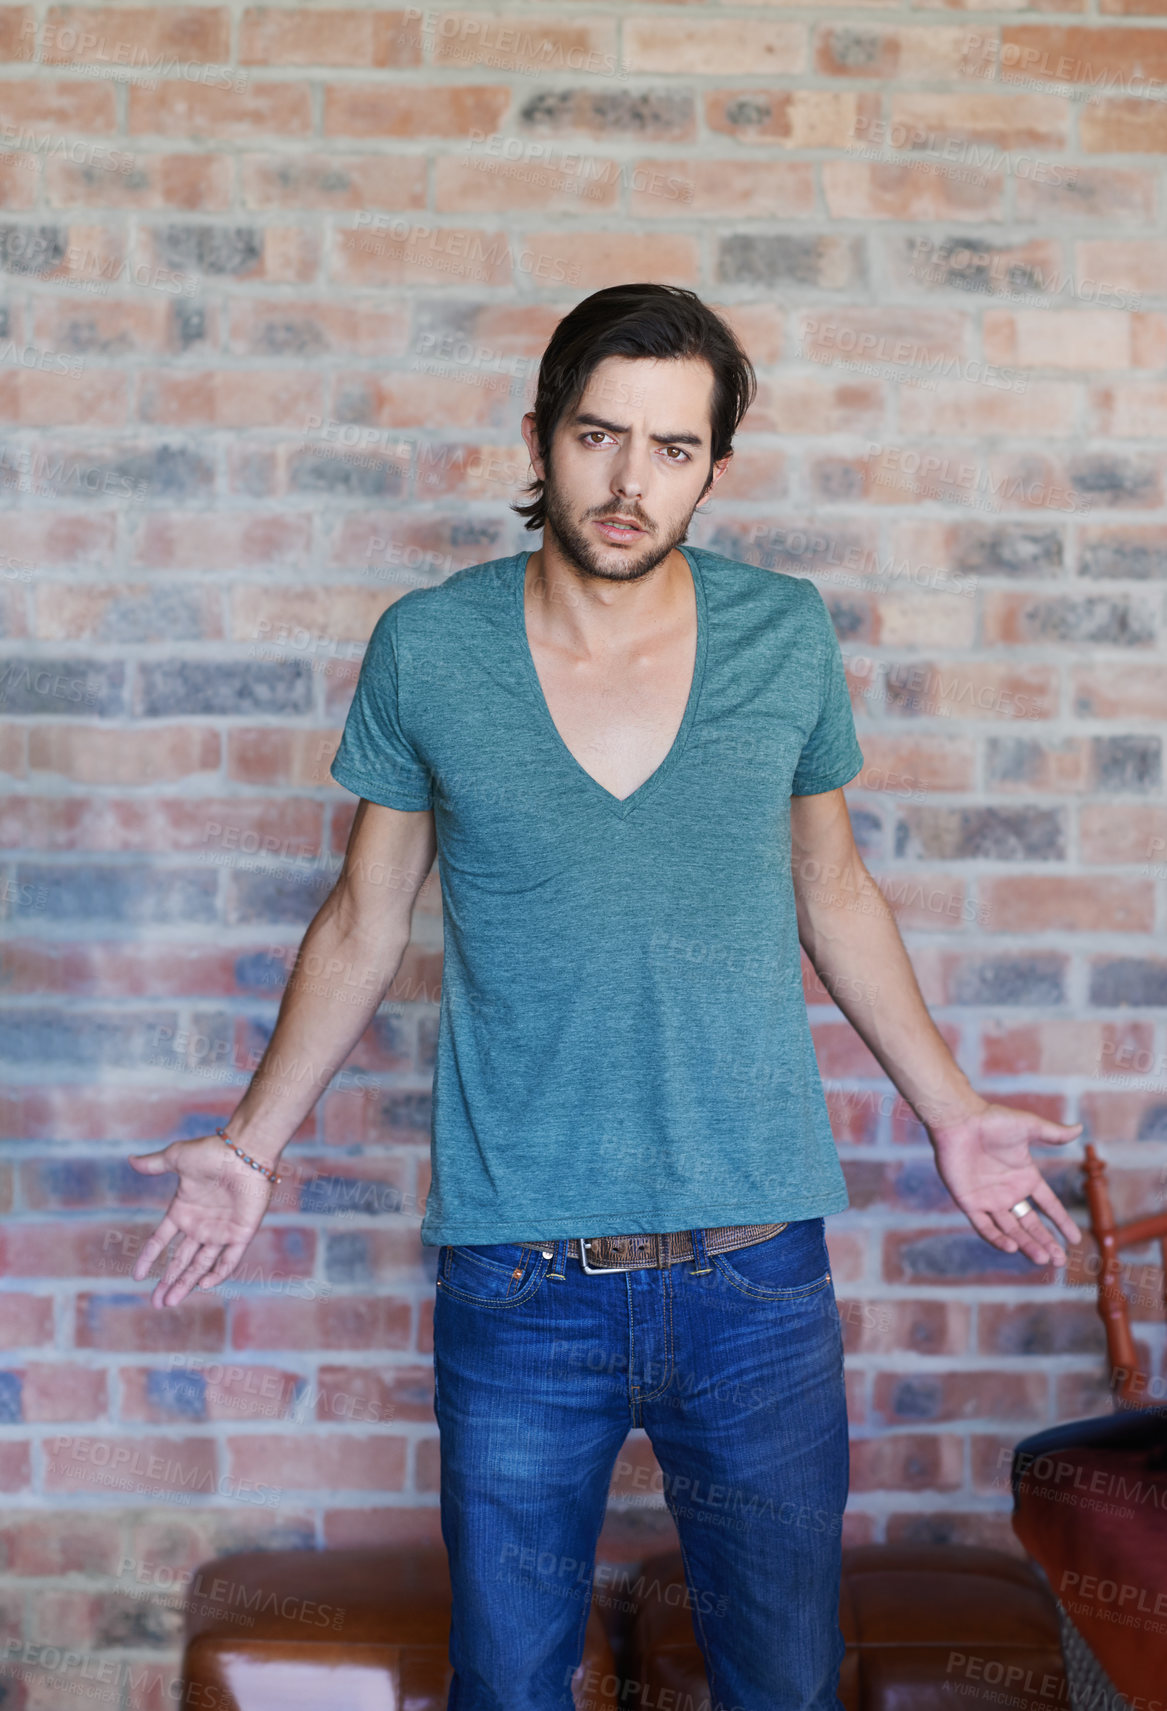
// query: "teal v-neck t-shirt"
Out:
[623,1043]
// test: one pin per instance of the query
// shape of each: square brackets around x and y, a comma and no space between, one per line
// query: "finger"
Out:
[151,1163]
[984,1226]
[202,1262]
[1031,1237]
[179,1260]
[1051,1134]
[224,1265]
[161,1238]
[1054,1210]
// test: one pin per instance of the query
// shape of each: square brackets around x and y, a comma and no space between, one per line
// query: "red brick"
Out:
[902,1398]
[63,1392]
[135,36]
[184,109]
[1135,410]
[292,618]
[202,182]
[1074,54]
[89,399]
[313,1461]
[27,1321]
[400,1527]
[230,399]
[881,1326]
[211,824]
[105,327]
[1007,121]
[19,180]
[413,110]
[63,1542]
[1138,834]
[893,762]
[1087,192]
[375,1394]
[121,1322]
[344,1322]
[908,1461]
[136,1466]
[442,255]
[1060,1047]
[151,755]
[816,404]
[885,190]
[57,540]
[481,183]
[1120,690]
[227,1391]
[1067,903]
[266,755]
[311,327]
[46,104]
[1004,405]
[1058,338]
[334,181]
[1122,1116]
[17,32]
[1123,125]
[178,970]
[706,48]
[792,118]
[284,35]
[15,1465]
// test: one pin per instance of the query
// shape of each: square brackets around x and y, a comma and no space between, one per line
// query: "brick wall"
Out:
[274,283]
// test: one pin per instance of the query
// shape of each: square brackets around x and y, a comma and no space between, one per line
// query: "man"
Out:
[630,756]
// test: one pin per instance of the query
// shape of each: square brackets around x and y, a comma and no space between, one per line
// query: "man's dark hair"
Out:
[645,320]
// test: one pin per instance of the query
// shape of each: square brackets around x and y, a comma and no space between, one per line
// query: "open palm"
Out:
[217,1207]
[984,1163]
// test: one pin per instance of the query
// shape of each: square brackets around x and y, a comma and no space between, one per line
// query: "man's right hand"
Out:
[217,1207]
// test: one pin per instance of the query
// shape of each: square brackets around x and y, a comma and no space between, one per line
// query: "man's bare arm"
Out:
[850,935]
[346,963]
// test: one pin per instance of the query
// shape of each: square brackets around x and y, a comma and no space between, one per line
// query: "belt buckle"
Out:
[598,1270]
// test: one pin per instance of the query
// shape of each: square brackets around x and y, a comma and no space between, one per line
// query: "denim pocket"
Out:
[501,1274]
[786,1266]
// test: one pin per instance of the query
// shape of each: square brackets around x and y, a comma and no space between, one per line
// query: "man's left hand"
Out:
[983,1160]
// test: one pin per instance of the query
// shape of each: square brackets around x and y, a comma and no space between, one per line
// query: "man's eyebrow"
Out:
[683,439]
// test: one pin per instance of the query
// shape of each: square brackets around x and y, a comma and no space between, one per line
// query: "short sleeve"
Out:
[831,755]
[375,758]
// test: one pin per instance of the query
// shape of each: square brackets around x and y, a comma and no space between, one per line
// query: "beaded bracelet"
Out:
[254,1163]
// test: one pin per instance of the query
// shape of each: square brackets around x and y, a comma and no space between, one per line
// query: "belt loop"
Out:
[559,1262]
[700,1258]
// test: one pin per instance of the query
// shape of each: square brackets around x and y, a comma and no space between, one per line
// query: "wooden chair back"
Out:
[1132,1387]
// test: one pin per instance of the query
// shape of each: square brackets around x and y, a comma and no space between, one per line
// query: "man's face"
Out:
[636,447]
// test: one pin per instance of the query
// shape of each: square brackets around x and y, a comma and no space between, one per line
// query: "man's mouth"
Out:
[619,528]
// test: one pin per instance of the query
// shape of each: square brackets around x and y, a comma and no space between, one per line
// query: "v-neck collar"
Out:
[619,806]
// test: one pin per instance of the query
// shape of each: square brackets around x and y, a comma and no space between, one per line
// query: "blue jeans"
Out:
[733,1365]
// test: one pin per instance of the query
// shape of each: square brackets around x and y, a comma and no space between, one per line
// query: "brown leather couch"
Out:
[334,1630]
[926,1626]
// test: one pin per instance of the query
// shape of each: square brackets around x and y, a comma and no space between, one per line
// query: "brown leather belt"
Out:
[633,1253]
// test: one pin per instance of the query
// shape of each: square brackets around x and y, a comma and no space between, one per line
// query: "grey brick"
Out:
[1109,479]
[1037,979]
[969,263]
[1117,622]
[137,473]
[1127,763]
[156,613]
[332,1194]
[1141,557]
[85,688]
[658,114]
[917,1398]
[81,1037]
[1129,980]
[786,547]
[959,1253]
[1007,549]
[999,834]
[126,891]
[361,474]
[827,261]
[32,250]
[173,687]
[266,896]
[1152,1123]
[1049,1331]
[190,323]
[215,250]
